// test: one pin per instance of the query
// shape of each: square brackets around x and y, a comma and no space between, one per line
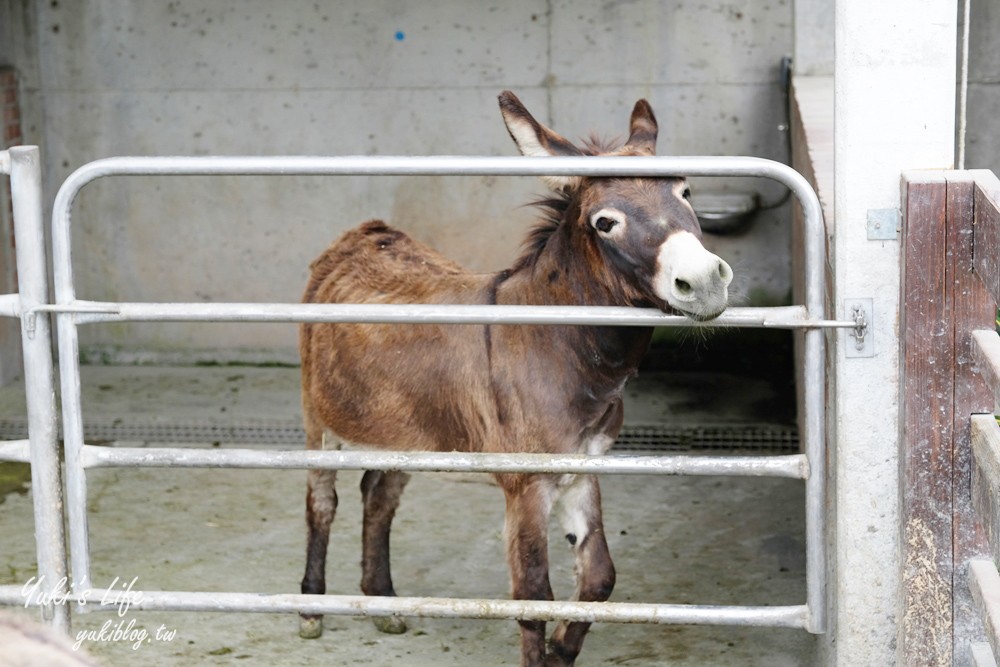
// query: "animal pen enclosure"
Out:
[893,110]
[79,456]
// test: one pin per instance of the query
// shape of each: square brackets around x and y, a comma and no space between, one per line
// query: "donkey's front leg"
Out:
[529,502]
[580,514]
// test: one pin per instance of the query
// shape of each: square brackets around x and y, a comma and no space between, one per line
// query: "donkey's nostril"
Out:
[725,272]
[683,287]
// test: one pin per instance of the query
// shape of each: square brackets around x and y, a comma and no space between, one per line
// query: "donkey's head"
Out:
[644,230]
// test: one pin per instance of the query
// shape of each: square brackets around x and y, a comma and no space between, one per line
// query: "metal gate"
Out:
[41,447]
[71,312]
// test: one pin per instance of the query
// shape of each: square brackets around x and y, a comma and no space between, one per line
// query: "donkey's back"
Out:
[390,386]
[375,263]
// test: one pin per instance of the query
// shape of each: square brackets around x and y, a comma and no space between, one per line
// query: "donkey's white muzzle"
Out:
[690,278]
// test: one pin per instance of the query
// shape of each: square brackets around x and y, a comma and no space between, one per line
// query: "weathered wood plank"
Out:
[984,583]
[986,477]
[982,655]
[927,355]
[972,308]
[987,356]
[987,231]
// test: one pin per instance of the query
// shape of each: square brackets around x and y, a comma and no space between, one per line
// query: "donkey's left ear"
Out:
[534,139]
[643,128]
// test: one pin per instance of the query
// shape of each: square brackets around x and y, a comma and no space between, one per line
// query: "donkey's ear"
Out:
[534,139]
[643,128]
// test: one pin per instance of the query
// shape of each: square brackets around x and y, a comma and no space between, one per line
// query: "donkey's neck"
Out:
[569,271]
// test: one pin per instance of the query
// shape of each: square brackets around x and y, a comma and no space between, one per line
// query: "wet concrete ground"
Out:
[674,539]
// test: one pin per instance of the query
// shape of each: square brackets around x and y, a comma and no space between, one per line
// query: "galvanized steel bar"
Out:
[814,404]
[814,444]
[13,596]
[793,465]
[10,305]
[813,435]
[76,477]
[16,450]
[39,379]
[492,609]
[428,166]
[90,312]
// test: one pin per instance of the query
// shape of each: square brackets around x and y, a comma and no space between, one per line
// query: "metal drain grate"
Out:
[759,438]
[763,438]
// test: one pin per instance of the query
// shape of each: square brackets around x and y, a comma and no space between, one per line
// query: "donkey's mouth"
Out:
[705,318]
[699,317]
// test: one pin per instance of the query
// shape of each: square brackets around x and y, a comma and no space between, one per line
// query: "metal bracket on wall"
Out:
[859,341]
[883,224]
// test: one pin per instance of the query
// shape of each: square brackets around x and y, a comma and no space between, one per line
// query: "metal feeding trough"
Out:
[725,212]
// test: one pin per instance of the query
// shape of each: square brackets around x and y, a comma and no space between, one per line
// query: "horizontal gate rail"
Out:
[90,312]
[794,466]
[71,312]
[18,451]
[795,616]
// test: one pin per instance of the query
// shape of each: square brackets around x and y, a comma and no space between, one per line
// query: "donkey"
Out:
[506,388]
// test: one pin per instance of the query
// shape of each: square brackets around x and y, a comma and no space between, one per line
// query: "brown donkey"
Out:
[490,388]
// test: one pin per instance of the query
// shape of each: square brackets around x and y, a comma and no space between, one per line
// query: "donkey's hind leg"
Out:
[380,492]
[321,506]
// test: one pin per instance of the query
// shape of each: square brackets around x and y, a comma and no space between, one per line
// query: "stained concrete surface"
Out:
[674,539]
[379,77]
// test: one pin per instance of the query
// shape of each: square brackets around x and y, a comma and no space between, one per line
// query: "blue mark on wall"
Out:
[400,35]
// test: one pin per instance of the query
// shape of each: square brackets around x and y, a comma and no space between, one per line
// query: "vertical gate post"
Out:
[39,382]
[942,302]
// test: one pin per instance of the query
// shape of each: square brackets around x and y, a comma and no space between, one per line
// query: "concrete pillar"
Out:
[894,110]
[812,37]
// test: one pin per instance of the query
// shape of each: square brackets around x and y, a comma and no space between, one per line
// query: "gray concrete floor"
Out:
[674,539]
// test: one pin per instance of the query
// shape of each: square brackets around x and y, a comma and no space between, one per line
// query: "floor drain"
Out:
[763,438]
[760,438]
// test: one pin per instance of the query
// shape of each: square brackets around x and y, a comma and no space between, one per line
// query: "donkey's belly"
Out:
[402,387]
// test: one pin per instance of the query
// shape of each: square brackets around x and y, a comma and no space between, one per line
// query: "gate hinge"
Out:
[860,340]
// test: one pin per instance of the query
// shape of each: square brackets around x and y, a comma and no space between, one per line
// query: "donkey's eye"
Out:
[605,224]
[687,193]
[607,220]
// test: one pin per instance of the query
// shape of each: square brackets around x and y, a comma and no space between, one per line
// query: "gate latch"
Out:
[859,340]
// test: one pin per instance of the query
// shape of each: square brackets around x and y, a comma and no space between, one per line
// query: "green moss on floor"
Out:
[14,478]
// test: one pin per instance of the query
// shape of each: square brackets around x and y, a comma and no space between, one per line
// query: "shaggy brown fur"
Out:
[484,388]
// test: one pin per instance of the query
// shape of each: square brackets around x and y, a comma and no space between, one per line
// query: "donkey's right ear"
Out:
[534,139]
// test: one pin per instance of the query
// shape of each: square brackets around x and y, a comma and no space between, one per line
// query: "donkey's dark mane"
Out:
[553,209]
[552,212]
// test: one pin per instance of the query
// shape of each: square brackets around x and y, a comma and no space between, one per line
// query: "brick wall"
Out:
[11,108]
[10,112]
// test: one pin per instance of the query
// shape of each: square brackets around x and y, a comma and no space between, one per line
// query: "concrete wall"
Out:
[119,77]
[813,37]
[983,130]
[12,108]
[894,111]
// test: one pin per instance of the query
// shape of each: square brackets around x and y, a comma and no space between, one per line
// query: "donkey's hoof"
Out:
[311,627]
[390,625]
